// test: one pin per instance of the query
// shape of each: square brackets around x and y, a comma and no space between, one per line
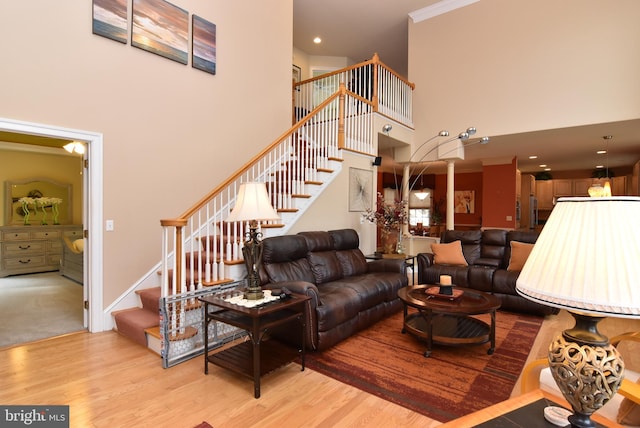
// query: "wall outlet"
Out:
[509,218]
[109,225]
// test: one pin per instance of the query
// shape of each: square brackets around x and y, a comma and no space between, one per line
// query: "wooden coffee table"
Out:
[448,321]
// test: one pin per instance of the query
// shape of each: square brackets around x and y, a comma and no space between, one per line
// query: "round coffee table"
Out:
[446,320]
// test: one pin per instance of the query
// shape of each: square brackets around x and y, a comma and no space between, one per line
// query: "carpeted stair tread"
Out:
[132,323]
[150,298]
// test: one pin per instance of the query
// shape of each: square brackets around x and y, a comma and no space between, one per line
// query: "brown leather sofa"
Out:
[487,253]
[347,293]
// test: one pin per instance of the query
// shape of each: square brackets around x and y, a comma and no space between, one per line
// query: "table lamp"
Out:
[252,205]
[587,261]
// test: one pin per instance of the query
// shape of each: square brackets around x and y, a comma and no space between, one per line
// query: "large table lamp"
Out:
[587,261]
[253,205]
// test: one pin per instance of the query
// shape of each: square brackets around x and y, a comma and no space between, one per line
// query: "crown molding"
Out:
[439,8]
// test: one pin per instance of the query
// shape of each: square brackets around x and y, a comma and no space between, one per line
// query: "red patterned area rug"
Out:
[452,382]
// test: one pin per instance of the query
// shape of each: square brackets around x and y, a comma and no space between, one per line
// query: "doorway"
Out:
[92,198]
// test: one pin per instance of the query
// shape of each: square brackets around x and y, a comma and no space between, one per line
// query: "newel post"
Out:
[374,94]
[341,110]
[178,224]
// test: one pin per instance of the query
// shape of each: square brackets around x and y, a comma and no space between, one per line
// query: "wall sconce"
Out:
[74,146]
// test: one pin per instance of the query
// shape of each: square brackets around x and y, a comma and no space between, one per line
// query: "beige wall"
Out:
[171,132]
[21,166]
[509,66]
[331,209]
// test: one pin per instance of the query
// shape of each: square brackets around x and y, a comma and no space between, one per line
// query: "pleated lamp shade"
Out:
[252,203]
[587,258]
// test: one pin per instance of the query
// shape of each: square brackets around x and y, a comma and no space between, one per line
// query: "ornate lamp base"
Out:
[586,367]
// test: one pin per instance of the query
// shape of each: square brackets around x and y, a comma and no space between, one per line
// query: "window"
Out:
[418,215]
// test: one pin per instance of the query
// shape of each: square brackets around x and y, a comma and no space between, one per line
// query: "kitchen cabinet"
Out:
[562,188]
[544,194]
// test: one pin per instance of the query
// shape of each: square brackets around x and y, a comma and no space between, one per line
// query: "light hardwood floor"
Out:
[109,381]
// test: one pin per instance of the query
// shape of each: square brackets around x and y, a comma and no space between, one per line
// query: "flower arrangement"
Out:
[387,216]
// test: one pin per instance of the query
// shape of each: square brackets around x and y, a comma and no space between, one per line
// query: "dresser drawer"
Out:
[73,234]
[50,234]
[25,262]
[15,236]
[17,249]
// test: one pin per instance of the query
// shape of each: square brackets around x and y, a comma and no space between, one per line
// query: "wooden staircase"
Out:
[200,249]
[134,322]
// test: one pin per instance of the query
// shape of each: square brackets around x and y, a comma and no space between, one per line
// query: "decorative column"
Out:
[450,194]
[405,196]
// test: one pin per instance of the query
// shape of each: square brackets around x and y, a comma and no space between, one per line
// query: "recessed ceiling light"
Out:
[317,40]
[544,165]
[599,166]
[601,152]
[533,157]
[547,169]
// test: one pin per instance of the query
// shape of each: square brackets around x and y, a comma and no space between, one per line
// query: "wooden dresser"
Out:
[31,249]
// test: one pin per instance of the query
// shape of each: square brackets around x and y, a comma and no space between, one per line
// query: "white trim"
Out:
[439,8]
[92,208]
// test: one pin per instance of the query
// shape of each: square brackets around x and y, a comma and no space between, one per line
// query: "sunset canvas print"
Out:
[110,19]
[161,28]
[203,55]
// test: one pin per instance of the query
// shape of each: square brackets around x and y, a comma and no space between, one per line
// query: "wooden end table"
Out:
[257,356]
[446,321]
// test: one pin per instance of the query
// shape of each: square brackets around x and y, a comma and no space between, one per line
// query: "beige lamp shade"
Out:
[252,203]
[587,258]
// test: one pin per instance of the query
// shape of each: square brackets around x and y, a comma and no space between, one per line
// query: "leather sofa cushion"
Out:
[481,278]
[493,245]
[322,256]
[338,304]
[346,243]
[325,266]
[284,258]
[470,240]
[458,274]
[352,262]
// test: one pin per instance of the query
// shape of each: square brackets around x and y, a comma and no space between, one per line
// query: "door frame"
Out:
[91,213]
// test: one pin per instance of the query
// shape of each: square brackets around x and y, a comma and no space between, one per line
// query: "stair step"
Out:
[150,299]
[132,323]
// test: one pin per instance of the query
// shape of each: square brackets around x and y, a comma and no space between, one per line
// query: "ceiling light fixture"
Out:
[317,40]
[533,157]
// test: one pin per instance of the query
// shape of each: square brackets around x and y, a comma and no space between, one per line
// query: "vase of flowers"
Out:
[389,217]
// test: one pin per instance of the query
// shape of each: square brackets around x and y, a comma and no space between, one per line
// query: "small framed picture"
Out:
[360,187]
[297,73]
[203,50]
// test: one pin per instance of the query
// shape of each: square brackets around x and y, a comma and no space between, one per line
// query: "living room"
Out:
[65,76]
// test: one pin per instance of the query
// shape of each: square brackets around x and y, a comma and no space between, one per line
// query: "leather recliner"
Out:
[347,293]
[487,254]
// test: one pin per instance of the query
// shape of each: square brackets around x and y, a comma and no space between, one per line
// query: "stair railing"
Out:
[333,112]
[384,90]
[198,245]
